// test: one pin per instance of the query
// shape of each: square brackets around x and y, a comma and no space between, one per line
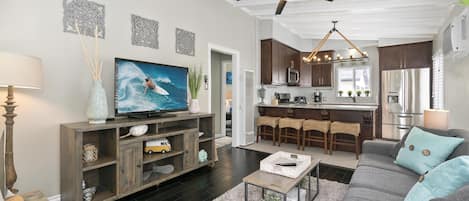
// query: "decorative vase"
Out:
[195,106]
[97,104]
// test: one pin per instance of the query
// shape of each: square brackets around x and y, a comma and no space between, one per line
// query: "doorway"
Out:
[221,92]
[224,88]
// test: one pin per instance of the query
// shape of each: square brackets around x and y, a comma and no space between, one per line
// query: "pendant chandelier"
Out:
[330,59]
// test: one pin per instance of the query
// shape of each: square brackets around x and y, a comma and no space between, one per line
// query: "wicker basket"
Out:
[90,153]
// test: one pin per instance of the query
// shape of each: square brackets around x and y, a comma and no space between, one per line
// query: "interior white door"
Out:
[249,105]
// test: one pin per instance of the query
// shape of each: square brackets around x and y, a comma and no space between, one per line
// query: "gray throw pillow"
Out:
[461,195]
[434,131]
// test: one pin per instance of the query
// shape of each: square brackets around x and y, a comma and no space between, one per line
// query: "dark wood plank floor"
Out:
[208,183]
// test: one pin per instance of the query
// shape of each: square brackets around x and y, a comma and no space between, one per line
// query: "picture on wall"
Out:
[86,14]
[145,32]
[229,78]
[185,42]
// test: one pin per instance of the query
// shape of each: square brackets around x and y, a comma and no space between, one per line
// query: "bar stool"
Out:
[264,122]
[351,129]
[286,124]
[312,127]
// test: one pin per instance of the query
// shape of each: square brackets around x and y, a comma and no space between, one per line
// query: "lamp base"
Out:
[10,171]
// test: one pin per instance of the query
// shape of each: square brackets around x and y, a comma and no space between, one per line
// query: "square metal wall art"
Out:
[87,15]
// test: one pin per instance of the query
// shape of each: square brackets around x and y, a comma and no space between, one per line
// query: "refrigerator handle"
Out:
[405,86]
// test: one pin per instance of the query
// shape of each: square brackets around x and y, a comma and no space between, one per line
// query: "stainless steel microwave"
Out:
[293,77]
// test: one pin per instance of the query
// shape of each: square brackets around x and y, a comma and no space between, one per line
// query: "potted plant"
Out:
[359,93]
[341,92]
[195,81]
[367,93]
[350,93]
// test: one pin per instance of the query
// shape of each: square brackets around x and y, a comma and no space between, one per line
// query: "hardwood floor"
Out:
[208,183]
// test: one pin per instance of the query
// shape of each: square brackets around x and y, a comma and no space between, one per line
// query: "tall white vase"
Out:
[97,110]
[195,106]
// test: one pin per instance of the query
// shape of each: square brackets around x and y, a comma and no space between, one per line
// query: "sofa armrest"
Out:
[379,147]
[461,195]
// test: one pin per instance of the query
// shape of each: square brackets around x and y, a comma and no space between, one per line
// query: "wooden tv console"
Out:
[119,170]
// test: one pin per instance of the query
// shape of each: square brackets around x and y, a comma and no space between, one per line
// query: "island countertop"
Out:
[351,107]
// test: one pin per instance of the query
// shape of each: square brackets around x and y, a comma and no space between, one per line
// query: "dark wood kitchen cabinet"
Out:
[414,55]
[322,73]
[275,60]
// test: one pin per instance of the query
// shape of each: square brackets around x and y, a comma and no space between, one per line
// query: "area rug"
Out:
[338,158]
[223,141]
[328,191]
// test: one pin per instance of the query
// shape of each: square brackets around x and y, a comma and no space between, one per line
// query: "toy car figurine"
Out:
[157,146]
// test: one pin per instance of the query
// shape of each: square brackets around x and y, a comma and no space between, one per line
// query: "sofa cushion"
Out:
[366,194]
[383,180]
[462,149]
[423,150]
[461,195]
[383,162]
[404,138]
[441,181]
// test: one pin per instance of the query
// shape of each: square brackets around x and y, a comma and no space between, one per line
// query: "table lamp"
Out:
[436,119]
[16,71]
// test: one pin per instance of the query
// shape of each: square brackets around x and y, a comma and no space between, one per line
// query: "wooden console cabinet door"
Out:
[130,167]
[191,150]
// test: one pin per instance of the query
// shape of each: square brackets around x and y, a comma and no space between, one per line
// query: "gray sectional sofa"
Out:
[377,178]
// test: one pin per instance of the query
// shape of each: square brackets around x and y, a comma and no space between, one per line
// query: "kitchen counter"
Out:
[352,107]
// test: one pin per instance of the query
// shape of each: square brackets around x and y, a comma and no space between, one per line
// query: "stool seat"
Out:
[316,131]
[315,125]
[286,124]
[351,129]
[291,123]
[262,123]
[345,128]
[267,121]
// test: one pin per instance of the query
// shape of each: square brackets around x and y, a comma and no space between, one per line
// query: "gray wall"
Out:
[35,28]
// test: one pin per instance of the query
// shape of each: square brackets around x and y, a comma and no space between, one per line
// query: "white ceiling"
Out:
[358,19]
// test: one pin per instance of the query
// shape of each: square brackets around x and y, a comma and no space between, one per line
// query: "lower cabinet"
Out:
[130,167]
[191,150]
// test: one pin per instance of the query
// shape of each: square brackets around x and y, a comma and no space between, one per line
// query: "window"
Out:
[353,79]
[438,80]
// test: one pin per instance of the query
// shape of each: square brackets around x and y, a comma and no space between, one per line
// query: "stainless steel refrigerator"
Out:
[405,95]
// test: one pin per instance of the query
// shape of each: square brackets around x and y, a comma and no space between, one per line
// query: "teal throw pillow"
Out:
[440,182]
[422,150]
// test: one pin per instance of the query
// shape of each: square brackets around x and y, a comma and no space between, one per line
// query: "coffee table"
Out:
[281,184]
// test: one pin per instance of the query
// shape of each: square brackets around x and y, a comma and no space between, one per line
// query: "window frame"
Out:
[354,78]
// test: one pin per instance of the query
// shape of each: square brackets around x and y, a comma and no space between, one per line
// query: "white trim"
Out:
[54,198]
[237,108]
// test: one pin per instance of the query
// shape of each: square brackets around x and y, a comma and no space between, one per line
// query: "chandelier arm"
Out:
[319,46]
[351,44]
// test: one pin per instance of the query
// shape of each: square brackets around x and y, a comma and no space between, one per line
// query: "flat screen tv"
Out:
[149,88]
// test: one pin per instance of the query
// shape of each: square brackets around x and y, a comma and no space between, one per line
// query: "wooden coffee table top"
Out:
[278,183]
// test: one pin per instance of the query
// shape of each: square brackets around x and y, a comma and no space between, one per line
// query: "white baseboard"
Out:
[54,198]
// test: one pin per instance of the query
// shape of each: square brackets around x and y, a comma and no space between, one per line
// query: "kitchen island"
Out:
[365,115]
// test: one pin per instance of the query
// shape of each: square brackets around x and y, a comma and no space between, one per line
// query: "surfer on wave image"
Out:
[149,84]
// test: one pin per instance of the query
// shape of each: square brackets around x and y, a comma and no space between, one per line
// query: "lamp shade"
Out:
[436,119]
[20,71]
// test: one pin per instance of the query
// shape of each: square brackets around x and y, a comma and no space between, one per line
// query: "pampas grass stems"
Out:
[94,64]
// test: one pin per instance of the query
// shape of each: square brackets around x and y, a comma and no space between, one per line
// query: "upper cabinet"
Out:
[275,60]
[415,55]
[322,72]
